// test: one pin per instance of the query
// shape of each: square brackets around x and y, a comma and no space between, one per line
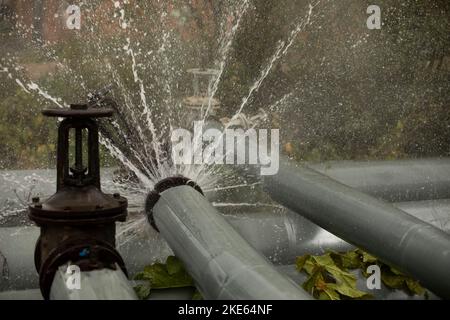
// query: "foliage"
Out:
[163,276]
[327,281]
[390,276]
[28,138]
[329,277]
[197,295]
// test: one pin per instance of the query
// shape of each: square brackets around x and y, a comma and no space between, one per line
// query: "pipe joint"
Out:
[163,185]
[88,254]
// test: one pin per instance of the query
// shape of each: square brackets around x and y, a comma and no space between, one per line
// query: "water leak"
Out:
[138,137]
[145,49]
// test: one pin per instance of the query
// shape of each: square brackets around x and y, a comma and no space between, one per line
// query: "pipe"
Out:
[17,248]
[26,294]
[390,180]
[102,284]
[435,212]
[222,263]
[391,234]
[384,293]
[393,181]
[280,235]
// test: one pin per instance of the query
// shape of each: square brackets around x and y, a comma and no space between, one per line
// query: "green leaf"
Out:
[142,291]
[329,294]
[305,263]
[329,276]
[300,261]
[174,265]
[197,295]
[366,257]
[393,281]
[140,276]
[310,284]
[341,276]
[347,260]
[396,271]
[324,268]
[414,286]
[169,275]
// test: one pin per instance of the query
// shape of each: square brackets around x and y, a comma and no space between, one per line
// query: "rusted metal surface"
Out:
[78,111]
[87,253]
[161,186]
[78,222]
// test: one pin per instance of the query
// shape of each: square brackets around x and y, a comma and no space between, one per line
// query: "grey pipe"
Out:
[222,263]
[103,284]
[384,293]
[393,181]
[390,180]
[394,236]
[17,247]
[280,235]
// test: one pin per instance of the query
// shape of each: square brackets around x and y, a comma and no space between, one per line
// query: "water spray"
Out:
[97,97]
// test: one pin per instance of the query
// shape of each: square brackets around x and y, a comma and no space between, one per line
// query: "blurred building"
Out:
[43,19]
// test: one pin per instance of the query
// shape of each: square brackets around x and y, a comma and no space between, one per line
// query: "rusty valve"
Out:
[78,222]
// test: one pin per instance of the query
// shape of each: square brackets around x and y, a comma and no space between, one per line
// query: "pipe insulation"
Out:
[390,180]
[223,265]
[394,180]
[102,284]
[396,237]
[280,235]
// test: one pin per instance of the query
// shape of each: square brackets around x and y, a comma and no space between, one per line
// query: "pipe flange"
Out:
[37,254]
[161,186]
[87,254]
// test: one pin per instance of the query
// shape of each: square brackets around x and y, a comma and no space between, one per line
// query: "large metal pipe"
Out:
[396,237]
[393,181]
[222,263]
[101,284]
[17,270]
[384,293]
[280,235]
[390,180]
